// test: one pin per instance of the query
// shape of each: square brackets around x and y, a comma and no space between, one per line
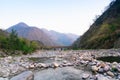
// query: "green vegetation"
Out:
[14,43]
[104,33]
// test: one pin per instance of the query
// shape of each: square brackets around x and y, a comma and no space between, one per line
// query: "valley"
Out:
[34,53]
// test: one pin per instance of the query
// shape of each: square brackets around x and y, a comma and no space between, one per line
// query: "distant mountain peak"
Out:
[18,27]
[22,24]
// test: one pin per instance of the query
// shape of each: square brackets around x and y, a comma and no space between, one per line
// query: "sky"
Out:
[66,16]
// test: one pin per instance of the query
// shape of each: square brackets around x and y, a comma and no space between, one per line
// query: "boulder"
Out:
[27,75]
[3,78]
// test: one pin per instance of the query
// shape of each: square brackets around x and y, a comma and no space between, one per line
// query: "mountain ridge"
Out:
[104,32]
[48,38]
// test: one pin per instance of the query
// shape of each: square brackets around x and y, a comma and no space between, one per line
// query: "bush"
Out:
[13,43]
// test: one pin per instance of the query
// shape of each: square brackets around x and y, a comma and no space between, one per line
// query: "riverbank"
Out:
[82,63]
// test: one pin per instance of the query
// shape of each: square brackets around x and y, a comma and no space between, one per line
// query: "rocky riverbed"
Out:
[61,65]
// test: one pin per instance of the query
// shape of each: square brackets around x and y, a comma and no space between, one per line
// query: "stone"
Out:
[4,72]
[8,59]
[101,70]
[106,68]
[3,78]
[93,63]
[64,62]
[69,64]
[118,77]
[102,64]
[118,70]
[115,63]
[27,75]
[87,58]
[15,68]
[94,77]
[42,65]
[110,73]
[94,68]
[55,65]
[102,77]
[24,64]
[31,66]
[85,76]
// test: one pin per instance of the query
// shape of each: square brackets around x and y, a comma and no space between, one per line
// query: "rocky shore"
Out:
[83,63]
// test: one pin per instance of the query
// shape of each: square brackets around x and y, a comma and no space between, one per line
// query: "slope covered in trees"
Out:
[104,32]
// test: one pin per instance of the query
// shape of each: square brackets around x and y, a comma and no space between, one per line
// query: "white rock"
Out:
[55,64]
[64,62]
[85,76]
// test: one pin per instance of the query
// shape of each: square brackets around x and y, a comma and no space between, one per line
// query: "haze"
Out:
[66,16]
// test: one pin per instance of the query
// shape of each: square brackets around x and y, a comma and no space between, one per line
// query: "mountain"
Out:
[62,39]
[104,32]
[32,33]
[18,27]
[48,38]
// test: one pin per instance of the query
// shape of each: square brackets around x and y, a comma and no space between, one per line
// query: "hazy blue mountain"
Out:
[18,27]
[61,38]
[48,38]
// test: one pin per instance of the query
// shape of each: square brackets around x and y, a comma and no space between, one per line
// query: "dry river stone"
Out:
[27,75]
